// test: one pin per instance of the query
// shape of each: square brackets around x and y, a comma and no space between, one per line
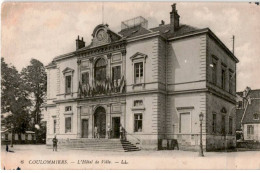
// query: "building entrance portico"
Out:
[100,121]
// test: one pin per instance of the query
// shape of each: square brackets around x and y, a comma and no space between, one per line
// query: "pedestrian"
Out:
[95,132]
[7,148]
[121,132]
[108,131]
[55,143]
[98,132]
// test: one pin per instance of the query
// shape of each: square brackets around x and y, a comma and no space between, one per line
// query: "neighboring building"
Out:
[248,107]
[155,82]
[26,138]
[6,134]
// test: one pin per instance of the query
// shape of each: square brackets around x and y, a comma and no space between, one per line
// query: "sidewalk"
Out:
[39,157]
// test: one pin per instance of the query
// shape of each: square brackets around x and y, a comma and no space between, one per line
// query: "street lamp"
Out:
[12,126]
[201,147]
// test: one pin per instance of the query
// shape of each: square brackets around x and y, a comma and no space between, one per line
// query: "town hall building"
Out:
[153,82]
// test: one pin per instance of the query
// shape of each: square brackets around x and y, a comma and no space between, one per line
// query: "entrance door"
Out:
[115,127]
[84,128]
[100,121]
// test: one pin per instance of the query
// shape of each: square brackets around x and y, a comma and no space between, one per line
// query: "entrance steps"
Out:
[97,145]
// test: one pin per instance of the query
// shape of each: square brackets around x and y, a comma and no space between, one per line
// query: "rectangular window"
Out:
[138,103]
[54,126]
[250,129]
[139,73]
[214,123]
[223,78]
[223,125]
[68,84]
[230,125]
[138,122]
[26,136]
[68,109]
[67,124]
[185,123]
[116,73]
[85,78]
[214,73]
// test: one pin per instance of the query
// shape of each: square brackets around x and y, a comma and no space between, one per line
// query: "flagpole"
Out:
[103,13]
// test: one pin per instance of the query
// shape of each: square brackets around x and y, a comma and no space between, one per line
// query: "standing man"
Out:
[121,132]
[7,148]
[95,132]
[55,143]
[108,131]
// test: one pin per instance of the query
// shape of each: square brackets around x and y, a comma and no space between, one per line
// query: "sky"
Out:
[43,30]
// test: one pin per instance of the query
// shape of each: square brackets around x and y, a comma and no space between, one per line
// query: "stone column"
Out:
[123,63]
[109,75]
[79,76]
[123,114]
[91,72]
[78,121]
[108,117]
[91,122]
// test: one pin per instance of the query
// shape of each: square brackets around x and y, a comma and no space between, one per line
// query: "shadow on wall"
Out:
[172,65]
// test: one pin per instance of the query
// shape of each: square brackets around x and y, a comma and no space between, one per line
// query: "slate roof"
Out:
[254,93]
[163,29]
[182,30]
[135,31]
[252,108]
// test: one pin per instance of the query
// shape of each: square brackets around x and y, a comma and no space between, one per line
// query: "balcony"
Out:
[98,88]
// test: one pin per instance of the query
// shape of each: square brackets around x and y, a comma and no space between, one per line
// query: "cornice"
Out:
[103,49]
[212,35]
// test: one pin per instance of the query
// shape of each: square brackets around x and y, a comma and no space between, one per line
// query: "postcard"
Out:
[130,85]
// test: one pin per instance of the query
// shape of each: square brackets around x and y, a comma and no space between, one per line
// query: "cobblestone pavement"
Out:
[39,157]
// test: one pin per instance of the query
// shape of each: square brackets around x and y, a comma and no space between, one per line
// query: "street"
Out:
[38,157]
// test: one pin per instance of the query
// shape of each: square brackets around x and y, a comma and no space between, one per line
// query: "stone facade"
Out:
[165,83]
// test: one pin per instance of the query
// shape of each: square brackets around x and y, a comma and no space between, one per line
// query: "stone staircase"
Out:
[97,145]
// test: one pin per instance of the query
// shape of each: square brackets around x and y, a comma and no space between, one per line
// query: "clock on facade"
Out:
[101,35]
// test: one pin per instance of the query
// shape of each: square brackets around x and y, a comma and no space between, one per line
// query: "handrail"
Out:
[125,132]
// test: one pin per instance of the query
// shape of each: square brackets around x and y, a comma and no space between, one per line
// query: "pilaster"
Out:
[78,121]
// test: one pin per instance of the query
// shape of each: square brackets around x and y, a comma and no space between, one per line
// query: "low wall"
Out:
[248,144]
[220,142]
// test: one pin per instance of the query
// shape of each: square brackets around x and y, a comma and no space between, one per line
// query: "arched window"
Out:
[100,70]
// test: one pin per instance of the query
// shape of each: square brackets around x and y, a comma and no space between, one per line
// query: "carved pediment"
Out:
[67,70]
[138,55]
[103,35]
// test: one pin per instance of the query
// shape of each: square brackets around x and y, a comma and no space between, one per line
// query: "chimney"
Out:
[175,18]
[162,23]
[80,43]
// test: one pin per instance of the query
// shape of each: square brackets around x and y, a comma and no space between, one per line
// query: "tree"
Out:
[35,79]
[14,99]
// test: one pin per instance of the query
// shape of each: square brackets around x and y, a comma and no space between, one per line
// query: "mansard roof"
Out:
[134,31]
[165,31]
[252,108]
